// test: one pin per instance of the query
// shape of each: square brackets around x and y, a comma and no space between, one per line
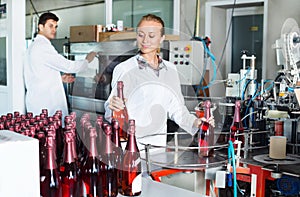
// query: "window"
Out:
[3,78]
[131,11]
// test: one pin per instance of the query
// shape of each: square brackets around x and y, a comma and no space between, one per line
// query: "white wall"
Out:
[12,95]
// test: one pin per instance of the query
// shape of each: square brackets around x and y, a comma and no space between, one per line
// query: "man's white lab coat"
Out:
[43,83]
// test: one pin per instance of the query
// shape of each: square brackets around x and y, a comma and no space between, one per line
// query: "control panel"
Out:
[188,56]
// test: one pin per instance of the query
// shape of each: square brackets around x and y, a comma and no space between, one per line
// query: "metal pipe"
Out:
[197,22]
[148,164]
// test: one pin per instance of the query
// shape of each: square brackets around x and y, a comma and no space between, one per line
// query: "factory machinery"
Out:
[269,108]
[270,112]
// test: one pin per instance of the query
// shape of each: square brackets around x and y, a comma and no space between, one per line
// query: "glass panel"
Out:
[131,11]
[3,79]
[250,27]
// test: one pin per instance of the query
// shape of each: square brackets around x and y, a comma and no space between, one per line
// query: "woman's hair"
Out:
[152,17]
[46,16]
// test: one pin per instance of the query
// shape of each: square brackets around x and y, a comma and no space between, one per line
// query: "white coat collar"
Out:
[42,37]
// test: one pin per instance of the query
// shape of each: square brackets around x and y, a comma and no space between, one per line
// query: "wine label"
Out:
[137,184]
[42,178]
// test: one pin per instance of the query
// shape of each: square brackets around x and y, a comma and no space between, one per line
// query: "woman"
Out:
[151,87]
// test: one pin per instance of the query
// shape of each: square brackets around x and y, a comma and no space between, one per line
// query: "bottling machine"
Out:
[270,107]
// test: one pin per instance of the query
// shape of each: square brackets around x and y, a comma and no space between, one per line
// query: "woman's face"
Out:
[149,36]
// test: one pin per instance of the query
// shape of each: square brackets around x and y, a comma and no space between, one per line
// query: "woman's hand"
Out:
[116,104]
[67,78]
[198,121]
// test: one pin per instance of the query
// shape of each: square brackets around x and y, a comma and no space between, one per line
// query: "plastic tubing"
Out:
[231,154]
[213,62]
[244,77]
[214,66]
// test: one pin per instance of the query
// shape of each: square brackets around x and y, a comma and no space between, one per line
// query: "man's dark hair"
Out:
[46,16]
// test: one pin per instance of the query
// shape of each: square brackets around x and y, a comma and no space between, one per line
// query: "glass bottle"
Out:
[1,125]
[100,133]
[122,115]
[57,123]
[42,143]
[91,168]
[85,153]
[131,165]
[33,131]
[117,149]
[29,115]
[45,112]
[206,133]
[50,184]
[108,166]
[77,160]
[9,116]
[237,129]
[16,114]
[82,148]
[68,169]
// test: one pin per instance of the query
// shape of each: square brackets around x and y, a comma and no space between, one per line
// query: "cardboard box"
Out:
[117,35]
[93,33]
[126,35]
[87,33]
[19,166]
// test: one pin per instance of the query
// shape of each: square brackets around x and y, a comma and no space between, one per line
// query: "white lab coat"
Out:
[151,100]
[43,83]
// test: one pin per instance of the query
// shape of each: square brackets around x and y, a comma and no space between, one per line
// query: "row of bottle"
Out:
[89,162]
[206,134]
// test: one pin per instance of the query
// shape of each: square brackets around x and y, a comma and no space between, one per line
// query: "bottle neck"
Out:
[207,113]
[74,152]
[69,156]
[207,109]
[51,159]
[116,138]
[99,131]
[93,147]
[120,91]
[108,145]
[131,143]
[73,144]
[237,115]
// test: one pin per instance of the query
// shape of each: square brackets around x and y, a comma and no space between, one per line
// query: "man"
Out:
[43,64]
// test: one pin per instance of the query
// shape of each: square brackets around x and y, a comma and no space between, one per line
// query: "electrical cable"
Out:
[227,36]
[35,11]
